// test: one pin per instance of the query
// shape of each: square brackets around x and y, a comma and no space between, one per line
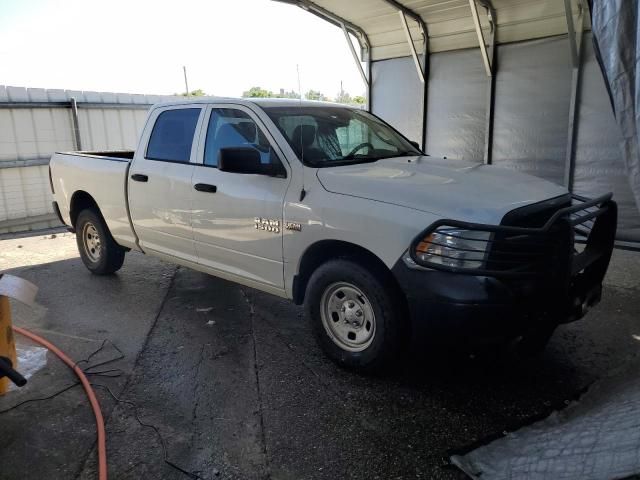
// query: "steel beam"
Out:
[109,105]
[483,45]
[24,162]
[356,59]
[575,47]
[21,222]
[423,71]
[359,33]
[76,124]
[574,40]
[412,47]
[331,18]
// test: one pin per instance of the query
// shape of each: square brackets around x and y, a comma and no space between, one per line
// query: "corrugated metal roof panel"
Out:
[449,22]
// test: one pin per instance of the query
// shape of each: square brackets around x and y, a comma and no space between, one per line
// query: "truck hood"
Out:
[448,188]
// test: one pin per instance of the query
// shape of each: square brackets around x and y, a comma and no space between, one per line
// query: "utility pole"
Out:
[186,85]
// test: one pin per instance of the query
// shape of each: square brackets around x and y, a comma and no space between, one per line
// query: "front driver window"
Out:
[229,127]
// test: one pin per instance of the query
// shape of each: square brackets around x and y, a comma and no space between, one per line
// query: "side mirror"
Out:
[415,144]
[247,160]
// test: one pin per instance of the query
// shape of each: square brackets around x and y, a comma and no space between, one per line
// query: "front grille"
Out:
[537,240]
[531,253]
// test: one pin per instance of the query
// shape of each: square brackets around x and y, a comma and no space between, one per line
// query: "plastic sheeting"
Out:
[457,105]
[533,87]
[599,166]
[398,95]
[533,91]
[31,358]
[616,26]
[593,439]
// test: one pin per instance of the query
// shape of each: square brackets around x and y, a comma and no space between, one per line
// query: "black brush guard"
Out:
[565,258]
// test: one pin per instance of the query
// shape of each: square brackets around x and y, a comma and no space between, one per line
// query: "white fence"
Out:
[35,123]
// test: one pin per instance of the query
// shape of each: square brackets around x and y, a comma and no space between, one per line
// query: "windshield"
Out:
[329,136]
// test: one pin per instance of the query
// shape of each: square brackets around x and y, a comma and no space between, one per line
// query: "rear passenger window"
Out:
[172,135]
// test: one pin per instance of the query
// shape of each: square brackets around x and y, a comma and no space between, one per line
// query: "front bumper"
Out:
[479,309]
[489,304]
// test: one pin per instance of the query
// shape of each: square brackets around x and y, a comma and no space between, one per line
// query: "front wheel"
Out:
[357,316]
[98,250]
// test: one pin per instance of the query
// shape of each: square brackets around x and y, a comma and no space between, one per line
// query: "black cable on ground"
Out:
[165,453]
[111,373]
[30,400]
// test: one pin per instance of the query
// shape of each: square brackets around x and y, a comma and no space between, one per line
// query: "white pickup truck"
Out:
[329,205]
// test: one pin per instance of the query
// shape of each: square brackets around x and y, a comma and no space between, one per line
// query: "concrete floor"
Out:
[236,385]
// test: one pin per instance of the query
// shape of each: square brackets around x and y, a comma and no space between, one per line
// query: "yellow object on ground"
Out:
[7,343]
[23,291]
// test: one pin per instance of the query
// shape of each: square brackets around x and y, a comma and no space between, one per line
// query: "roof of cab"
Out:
[262,102]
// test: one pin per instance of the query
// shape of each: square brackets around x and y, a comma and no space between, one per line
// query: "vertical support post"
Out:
[370,82]
[76,123]
[425,91]
[575,46]
[491,90]
[186,84]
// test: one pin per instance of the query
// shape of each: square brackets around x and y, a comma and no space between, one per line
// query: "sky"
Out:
[140,46]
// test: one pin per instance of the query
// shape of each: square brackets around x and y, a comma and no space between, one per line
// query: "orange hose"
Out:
[91,395]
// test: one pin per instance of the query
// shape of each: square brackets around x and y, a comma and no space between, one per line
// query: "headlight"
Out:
[454,248]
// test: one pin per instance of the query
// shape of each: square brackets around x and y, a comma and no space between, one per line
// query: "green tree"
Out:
[315,95]
[257,92]
[359,99]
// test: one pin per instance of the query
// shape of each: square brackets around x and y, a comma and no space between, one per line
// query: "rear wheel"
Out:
[98,250]
[357,316]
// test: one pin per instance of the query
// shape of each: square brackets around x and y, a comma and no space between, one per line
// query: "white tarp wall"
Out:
[35,123]
[531,115]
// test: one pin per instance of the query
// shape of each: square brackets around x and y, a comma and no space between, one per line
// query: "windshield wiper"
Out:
[347,161]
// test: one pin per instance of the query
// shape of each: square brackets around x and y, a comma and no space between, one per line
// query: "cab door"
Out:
[237,217]
[159,184]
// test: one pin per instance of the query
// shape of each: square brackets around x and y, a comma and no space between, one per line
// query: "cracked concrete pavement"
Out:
[235,384]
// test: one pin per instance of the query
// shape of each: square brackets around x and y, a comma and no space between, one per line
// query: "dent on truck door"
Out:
[238,224]
[160,191]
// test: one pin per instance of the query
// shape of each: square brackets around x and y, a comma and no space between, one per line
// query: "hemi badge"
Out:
[293,226]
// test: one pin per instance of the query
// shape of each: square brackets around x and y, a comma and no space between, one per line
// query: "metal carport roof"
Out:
[449,23]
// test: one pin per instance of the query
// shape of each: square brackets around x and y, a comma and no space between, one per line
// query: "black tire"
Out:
[109,257]
[380,296]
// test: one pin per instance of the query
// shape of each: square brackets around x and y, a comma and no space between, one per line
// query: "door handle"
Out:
[139,177]
[205,187]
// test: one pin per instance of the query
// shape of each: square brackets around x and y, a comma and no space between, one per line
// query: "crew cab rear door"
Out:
[159,185]
[237,217]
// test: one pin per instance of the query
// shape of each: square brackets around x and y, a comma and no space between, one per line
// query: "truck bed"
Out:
[101,175]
